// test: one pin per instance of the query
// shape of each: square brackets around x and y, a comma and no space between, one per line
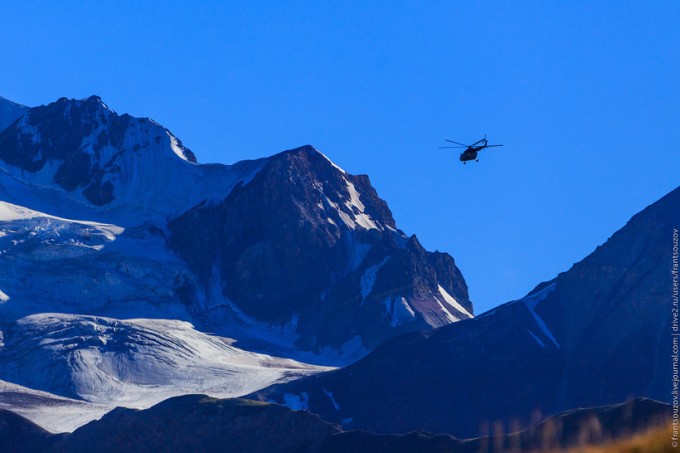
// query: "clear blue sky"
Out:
[585,96]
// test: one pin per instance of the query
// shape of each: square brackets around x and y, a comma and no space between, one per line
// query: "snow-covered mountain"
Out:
[77,158]
[118,219]
[134,362]
[124,263]
[309,247]
[62,371]
[597,334]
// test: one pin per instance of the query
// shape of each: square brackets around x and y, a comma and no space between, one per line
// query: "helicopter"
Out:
[471,151]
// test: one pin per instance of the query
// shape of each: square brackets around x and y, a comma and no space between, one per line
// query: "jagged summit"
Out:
[341,197]
[93,99]
[287,252]
[310,247]
[62,129]
[83,155]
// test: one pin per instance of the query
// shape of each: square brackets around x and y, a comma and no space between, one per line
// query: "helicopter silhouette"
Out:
[471,151]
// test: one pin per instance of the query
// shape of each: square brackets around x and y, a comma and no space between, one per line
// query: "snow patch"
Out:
[362,219]
[174,145]
[402,313]
[332,163]
[536,338]
[296,402]
[531,302]
[449,299]
[350,351]
[539,296]
[388,305]
[10,212]
[359,252]
[368,279]
[449,316]
[399,311]
[356,216]
[346,219]
[544,328]
[354,199]
[330,396]
[290,328]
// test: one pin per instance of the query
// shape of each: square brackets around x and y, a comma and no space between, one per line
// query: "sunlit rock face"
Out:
[308,246]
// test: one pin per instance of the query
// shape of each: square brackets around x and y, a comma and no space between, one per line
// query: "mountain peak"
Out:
[94,98]
[83,144]
[92,104]
[97,101]
[308,152]
[304,149]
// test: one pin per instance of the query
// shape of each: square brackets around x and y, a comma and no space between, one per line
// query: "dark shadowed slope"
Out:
[18,434]
[597,334]
[577,427]
[198,423]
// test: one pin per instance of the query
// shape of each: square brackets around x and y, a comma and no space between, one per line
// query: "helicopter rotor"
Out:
[456,143]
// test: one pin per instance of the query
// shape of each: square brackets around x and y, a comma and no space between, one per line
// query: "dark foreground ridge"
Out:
[199,423]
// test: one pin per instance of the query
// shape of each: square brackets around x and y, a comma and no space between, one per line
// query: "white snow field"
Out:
[51,412]
[91,364]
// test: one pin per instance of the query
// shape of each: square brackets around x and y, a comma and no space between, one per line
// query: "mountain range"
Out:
[138,274]
[131,276]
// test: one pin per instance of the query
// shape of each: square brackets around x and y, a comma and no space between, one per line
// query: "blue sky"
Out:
[584,95]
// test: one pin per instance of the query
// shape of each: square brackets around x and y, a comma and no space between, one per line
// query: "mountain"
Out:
[200,423]
[117,246]
[310,247]
[289,247]
[10,112]
[595,335]
[78,157]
